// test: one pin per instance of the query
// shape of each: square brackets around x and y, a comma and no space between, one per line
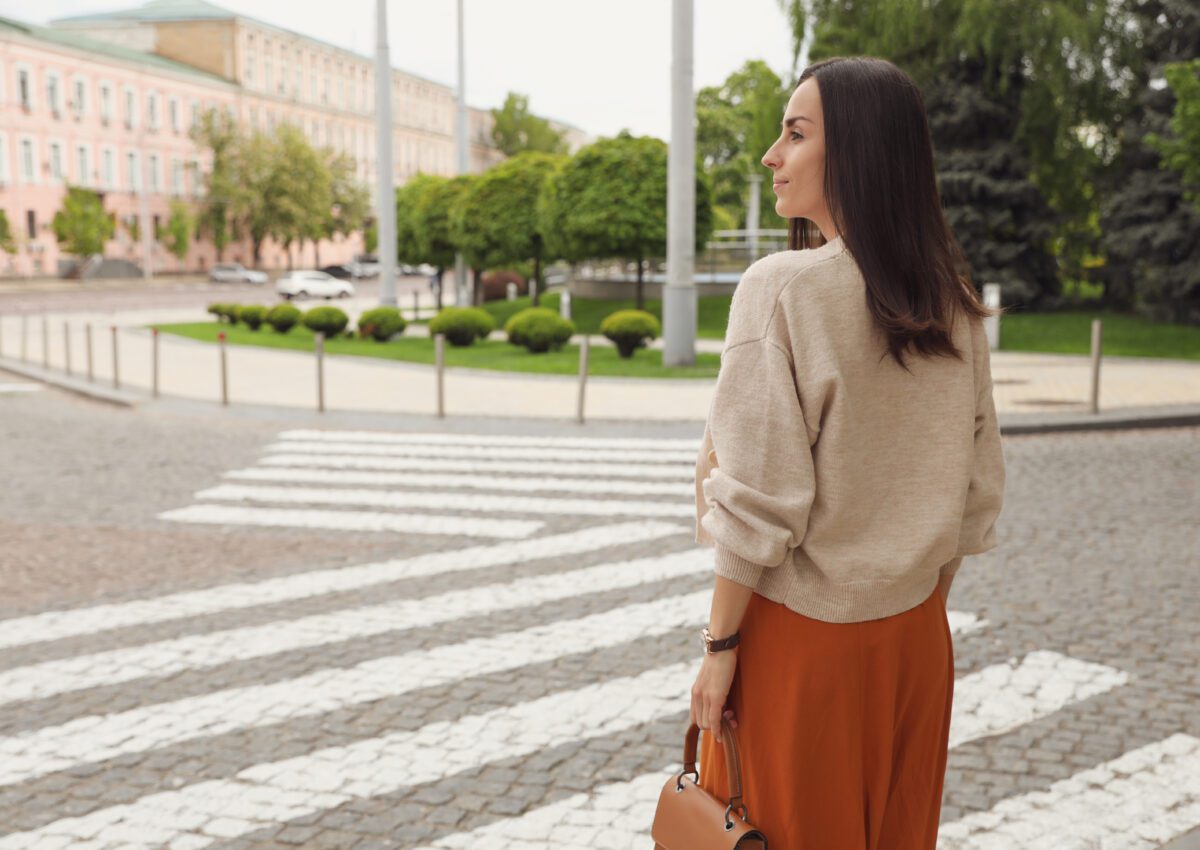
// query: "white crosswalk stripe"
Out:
[57,625]
[164,658]
[488,486]
[445,501]
[472,482]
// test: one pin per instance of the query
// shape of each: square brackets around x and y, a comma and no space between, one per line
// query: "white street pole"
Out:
[385,213]
[460,133]
[679,295]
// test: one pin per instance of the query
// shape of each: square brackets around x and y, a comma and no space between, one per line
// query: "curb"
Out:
[1011,424]
[79,386]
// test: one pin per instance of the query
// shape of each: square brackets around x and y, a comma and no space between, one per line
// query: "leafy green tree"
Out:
[7,243]
[82,226]
[1057,71]
[297,190]
[610,201]
[432,226]
[177,234]
[736,122]
[350,202]
[497,222]
[1181,150]
[216,133]
[1151,232]
[516,129]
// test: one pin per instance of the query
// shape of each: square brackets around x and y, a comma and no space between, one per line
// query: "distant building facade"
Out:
[108,101]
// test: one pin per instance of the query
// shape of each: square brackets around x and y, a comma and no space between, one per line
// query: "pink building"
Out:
[107,101]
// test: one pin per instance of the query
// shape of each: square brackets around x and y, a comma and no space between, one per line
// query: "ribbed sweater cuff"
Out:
[950,568]
[736,568]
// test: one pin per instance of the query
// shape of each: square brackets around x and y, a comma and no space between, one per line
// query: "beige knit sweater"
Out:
[830,479]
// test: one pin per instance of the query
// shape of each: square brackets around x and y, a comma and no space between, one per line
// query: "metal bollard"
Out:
[416,306]
[319,341]
[87,332]
[224,370]
[510,291]
[67,347]
[564,306]
[1096,335]
[116,370]
[439,359]
[583,372]
[154,359]
[45,342]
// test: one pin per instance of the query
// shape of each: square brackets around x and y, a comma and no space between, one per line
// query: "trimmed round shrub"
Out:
[225,312]
[381,323]
[252,316]
[462,325]
[539,329]
[330,321]
[629,330]
[283,317]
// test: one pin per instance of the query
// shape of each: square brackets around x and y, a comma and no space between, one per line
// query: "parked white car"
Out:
[306,284]
[235,273]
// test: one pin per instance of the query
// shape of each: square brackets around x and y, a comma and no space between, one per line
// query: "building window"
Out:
[133,179]
[28,161]
[105,103]
[3,159]
[130,108]
[251,58]
[173,109]
[195,118]
[54,93]
[56,162]
[155,183]
[176,176]
[31,223]
[83,165]
[152,111]
[25,88]
[268,74]
[79,101]
[197,179]
[108,169]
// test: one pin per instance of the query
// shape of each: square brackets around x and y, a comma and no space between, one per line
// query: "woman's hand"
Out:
[711,690]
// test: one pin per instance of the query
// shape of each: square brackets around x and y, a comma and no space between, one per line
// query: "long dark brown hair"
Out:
[881,190]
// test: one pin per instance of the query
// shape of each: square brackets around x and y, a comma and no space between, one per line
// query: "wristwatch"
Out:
[712,645]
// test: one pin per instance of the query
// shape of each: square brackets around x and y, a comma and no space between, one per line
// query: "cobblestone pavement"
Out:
[230,633]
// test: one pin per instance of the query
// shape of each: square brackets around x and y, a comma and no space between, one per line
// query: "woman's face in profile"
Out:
[798,157]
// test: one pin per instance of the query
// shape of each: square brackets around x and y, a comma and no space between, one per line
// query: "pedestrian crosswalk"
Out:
[525,589]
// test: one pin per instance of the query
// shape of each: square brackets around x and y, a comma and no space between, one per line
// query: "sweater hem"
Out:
[813,595]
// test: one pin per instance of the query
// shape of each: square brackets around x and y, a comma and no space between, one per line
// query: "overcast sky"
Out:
[601,65]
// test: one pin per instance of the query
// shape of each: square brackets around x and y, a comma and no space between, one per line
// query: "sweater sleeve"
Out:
[985,492]
[759,494]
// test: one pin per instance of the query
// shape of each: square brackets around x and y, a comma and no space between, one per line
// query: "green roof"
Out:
[67,38]
[158,10]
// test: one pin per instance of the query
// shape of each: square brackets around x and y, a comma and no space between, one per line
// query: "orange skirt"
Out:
[842,727]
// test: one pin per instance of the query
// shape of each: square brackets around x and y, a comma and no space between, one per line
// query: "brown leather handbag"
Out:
[689,818]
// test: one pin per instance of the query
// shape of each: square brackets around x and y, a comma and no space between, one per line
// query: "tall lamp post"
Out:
[679,295]
[386,201]
[460,134]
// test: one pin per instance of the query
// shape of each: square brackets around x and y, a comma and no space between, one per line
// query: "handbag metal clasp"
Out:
[745,815]
[679,779]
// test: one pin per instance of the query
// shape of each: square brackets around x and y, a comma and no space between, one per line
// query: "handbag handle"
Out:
[733,764]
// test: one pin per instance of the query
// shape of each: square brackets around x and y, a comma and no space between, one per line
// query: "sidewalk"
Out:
[1032,391]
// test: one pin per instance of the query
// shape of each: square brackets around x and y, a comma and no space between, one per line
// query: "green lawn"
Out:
[487,354]
[1122,335]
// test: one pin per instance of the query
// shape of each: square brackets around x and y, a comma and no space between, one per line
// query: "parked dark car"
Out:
[340,272]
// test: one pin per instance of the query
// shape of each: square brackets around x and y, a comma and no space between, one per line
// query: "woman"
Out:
[850,460]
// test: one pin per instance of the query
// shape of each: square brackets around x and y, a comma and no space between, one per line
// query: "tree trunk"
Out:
[257,243]
[640,300]
[477,287]
[437,290]
[536,283]
[317,252]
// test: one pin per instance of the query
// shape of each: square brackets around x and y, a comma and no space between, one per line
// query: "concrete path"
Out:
[1042,386]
